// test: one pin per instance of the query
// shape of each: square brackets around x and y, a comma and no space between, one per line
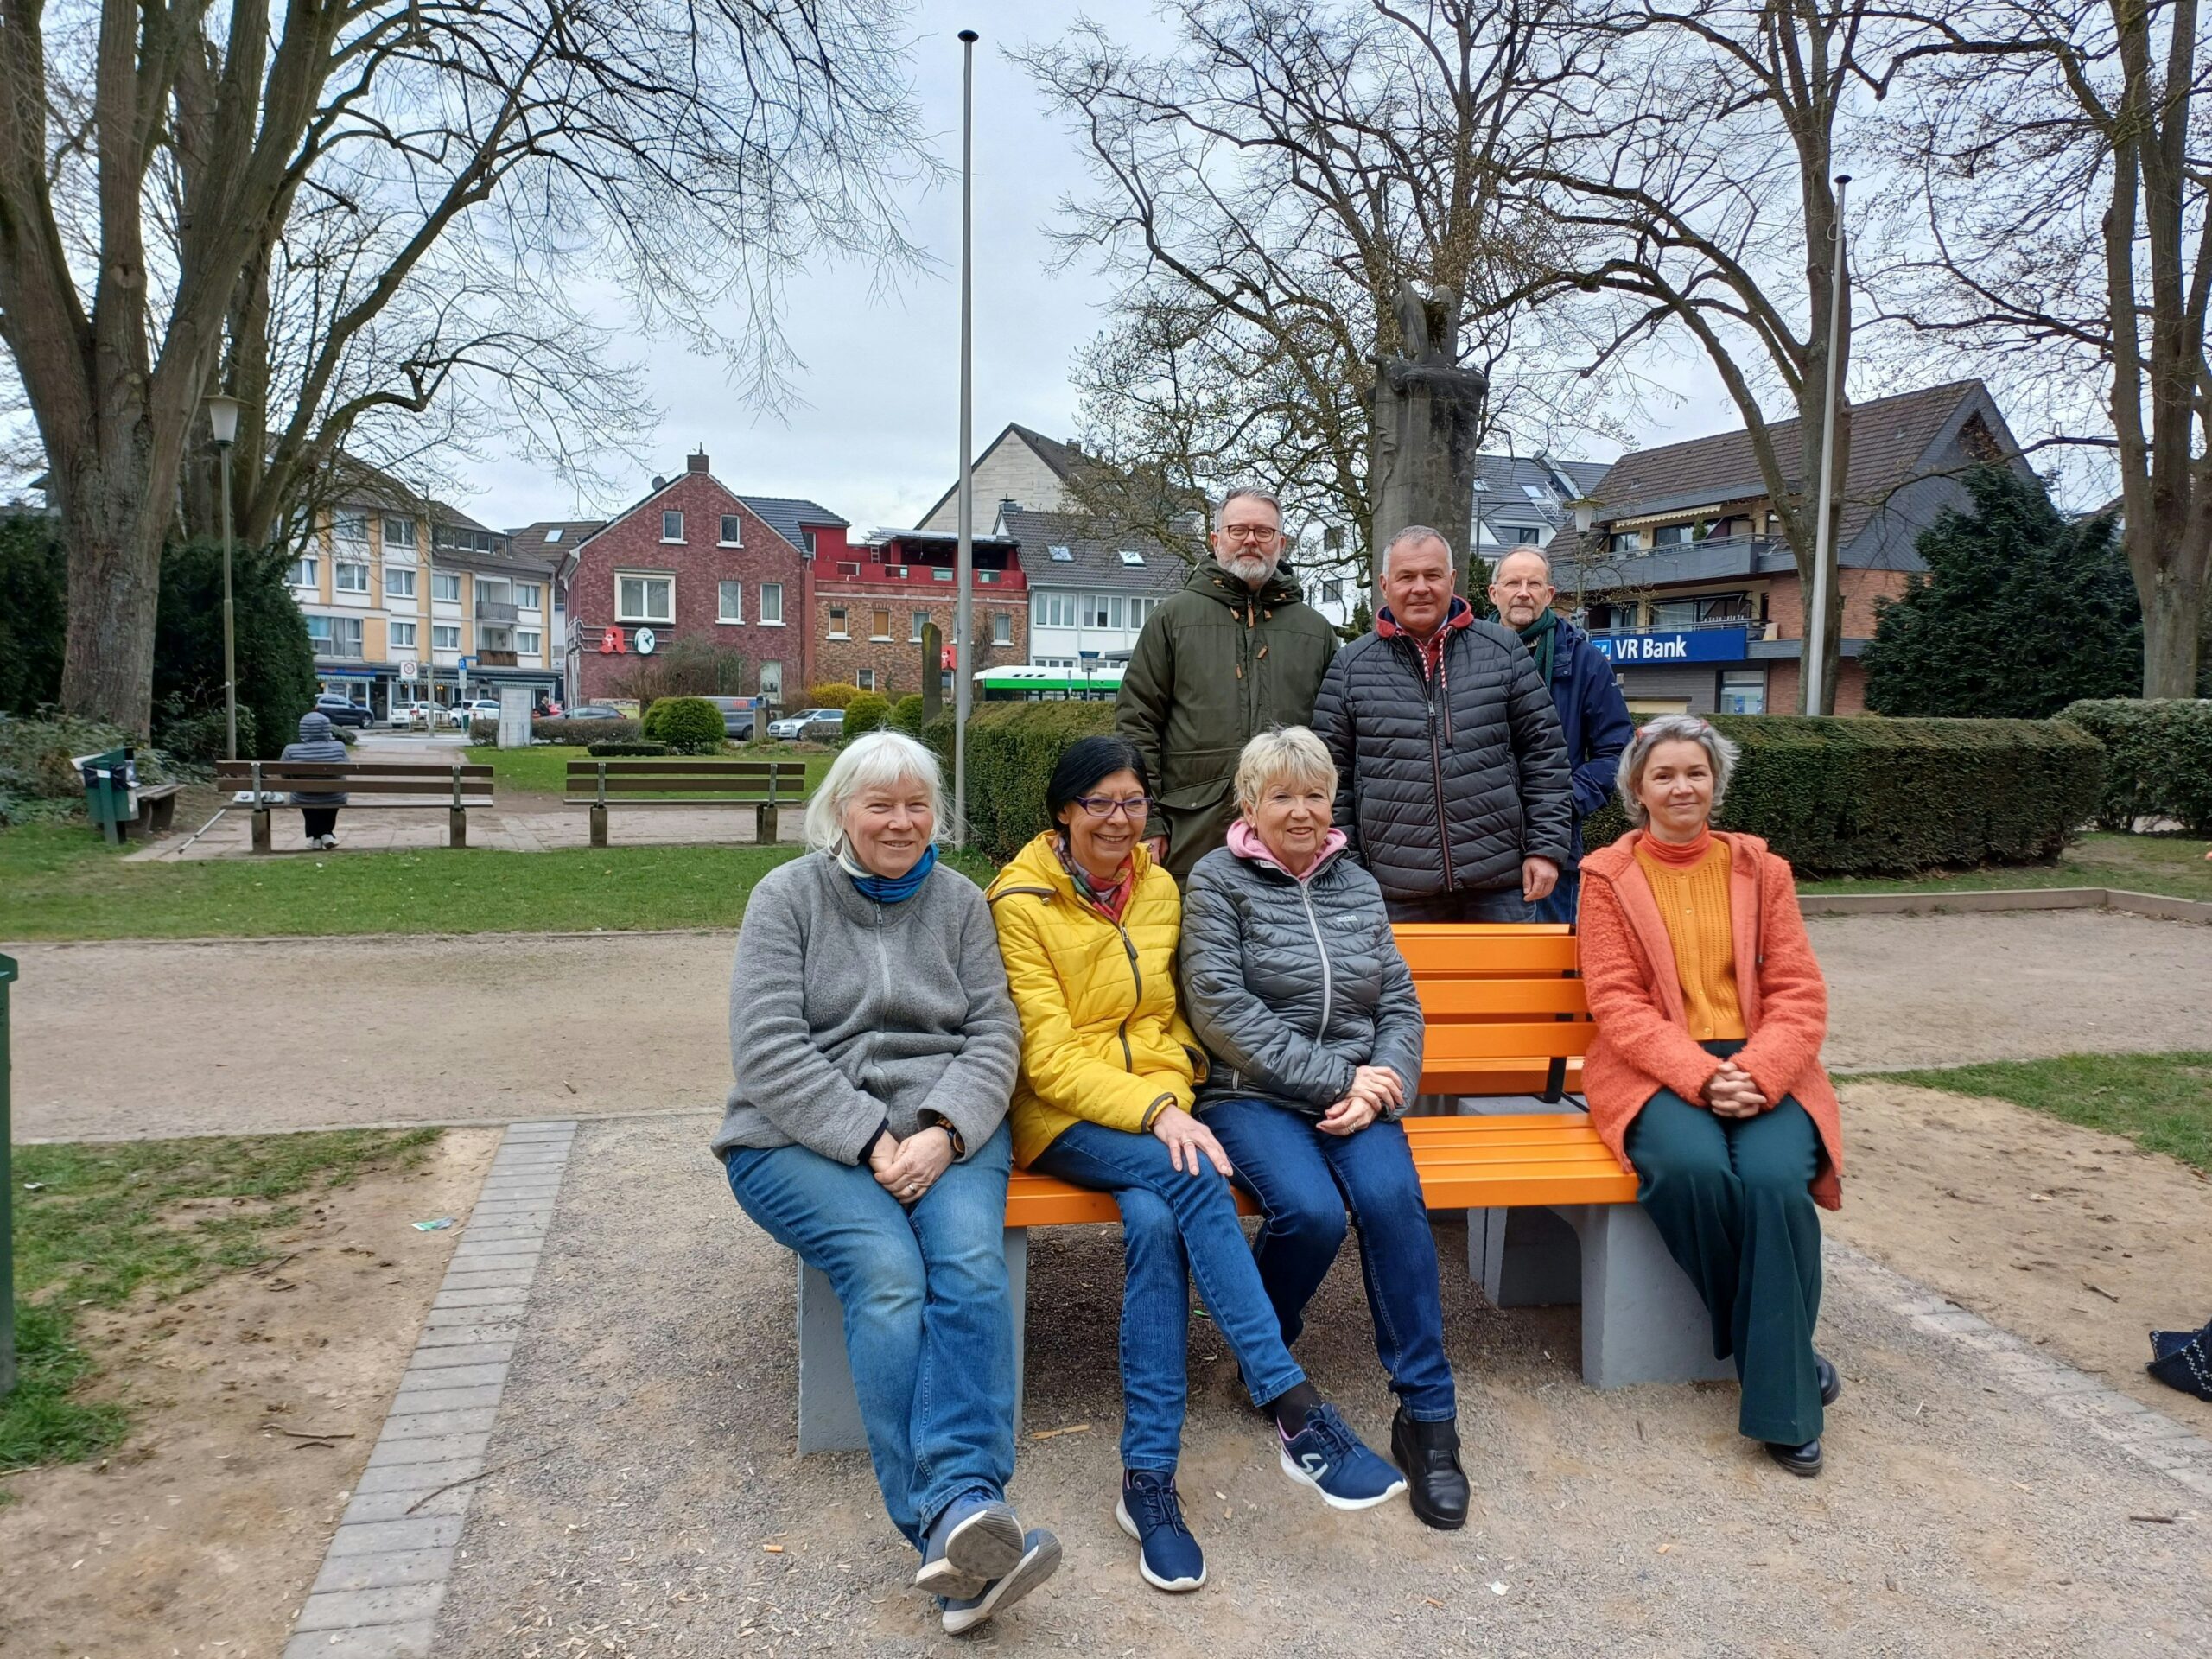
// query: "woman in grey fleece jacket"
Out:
[874,1047]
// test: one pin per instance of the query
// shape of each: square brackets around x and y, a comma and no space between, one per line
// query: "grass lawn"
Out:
[2162,1103]
[543,769]
[2169,864]
[60,881]
[95,1224]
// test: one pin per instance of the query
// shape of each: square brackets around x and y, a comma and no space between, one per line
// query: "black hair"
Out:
[1084,764]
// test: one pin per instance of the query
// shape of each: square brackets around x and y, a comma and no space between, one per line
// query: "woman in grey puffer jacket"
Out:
[1293,980]
[318,811]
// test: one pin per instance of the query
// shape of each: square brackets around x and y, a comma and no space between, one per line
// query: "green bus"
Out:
[1028,684]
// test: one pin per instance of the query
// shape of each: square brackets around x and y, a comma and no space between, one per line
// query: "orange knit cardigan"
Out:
[1642,1042]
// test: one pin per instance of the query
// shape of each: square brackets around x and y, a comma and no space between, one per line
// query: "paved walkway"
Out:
[535,829]
[637,1491]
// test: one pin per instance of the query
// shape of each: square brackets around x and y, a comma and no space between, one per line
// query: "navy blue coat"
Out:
[1593,716]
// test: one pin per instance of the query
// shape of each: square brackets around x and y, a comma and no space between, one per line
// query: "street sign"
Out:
[643,640]
[409,672]
[468,663]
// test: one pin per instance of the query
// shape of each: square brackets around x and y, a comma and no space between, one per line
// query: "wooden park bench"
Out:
[1551,1216]
[385,783]
[766,786]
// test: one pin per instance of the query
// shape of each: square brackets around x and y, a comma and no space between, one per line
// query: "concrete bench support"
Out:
[829,1409]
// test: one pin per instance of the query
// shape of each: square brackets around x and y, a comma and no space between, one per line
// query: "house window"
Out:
[350,527]
[302,574]
[945,573]
[1001,628]
[335,636]
[771,604]
[403,636]
[554,534]
[878,625]
[1332,590]
[397,532]
[445,636]
[1130,556]
[1057,610]
[1624,541]
[806,541]
[732,531]
[672,526]
[838,629]
[1743,691]
[645,599]
[865,679]
[730,602]
[921,621]
[348,577]
[772,681]
[1061,555]
[1527,535]
[398,581]
[527,640]
[446,585]
[526,595]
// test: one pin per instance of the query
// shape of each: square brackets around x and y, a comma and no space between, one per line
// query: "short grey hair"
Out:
[1246,493]
[1516,552]
[1720,751]
[1411,534]
[1283,752]
[878,760]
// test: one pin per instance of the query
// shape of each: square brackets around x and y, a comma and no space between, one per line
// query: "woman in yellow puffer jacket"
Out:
[1088,924]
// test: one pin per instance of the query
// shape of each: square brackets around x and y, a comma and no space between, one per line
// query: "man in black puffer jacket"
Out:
[1452,773]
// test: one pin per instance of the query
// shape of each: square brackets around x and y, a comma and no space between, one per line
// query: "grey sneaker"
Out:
[976,1540]
[1041,1558]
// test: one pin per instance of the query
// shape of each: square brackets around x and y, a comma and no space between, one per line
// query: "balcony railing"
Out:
[496,659]
[847,571]
[494,610]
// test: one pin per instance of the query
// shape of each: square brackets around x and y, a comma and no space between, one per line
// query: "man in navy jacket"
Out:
[1592,713]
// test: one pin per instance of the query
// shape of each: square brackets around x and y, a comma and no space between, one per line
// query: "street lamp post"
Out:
[964,555]
[223,424]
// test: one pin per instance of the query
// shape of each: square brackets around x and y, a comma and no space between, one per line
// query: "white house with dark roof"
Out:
[1019,465]
[1090,587]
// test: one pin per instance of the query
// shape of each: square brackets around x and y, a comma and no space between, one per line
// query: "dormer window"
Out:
[1130,556]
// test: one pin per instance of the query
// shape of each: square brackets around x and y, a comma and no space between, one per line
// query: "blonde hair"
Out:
[1283,752]
[879,761]
[1673,729]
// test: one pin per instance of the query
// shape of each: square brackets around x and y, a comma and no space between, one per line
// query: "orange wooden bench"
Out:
[1552,1215]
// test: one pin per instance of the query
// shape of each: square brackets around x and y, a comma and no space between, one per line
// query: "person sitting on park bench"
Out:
[1704,1075]
[867,1131]
[318,811]
[1087,922]
[1292,981]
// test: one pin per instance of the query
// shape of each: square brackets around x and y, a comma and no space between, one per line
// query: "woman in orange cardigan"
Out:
[1703,1076]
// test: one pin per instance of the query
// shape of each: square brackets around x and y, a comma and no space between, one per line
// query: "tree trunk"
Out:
[114,571]
[2173,619]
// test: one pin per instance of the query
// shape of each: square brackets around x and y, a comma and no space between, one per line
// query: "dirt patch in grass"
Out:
[207,1523]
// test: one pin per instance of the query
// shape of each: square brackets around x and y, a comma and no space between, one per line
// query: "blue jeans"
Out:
[927,1328]
[1466,905]
[1305,1182]
[1174,1227]
[1560,904]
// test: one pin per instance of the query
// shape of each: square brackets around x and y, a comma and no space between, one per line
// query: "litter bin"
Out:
[6,1198]
[111,790]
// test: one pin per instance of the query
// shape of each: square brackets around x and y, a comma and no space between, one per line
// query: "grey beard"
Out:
[1252,569]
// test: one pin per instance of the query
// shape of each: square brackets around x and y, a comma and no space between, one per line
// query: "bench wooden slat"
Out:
[242,771]
[708,785]
[1479,1039]
[1475,999]
[472,789]
[1528,953]
[1526,1074]
[617,767]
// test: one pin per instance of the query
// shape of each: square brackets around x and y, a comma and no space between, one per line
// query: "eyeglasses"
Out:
[1105,806]
[1251,532]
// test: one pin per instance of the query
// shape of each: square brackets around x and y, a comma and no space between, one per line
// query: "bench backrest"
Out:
[1503,1005]
[780,780]
[449,784]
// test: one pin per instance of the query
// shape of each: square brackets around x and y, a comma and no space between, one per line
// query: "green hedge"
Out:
[906,714]
[687,725]
[1871,796]
[1011,749]
[868,712]
[620,747]
[2158,759]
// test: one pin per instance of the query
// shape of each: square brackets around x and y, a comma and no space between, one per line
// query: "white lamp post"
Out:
[964,554]
[223,426]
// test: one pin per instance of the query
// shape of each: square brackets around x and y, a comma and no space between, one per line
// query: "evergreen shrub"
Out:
[868,712]
[1011,749]
[2159,758]
[834,694]
[687,725]
[906,714]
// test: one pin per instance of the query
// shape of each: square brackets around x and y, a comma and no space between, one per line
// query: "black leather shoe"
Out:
[1427,1454]
[1831,1384]
[1798,1460]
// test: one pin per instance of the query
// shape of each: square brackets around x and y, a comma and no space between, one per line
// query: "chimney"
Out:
[696,463]
[1008,504]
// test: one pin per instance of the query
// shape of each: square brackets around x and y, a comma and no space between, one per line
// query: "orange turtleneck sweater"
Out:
[1690,882]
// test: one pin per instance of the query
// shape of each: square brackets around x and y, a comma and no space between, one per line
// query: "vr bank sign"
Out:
[1688,645]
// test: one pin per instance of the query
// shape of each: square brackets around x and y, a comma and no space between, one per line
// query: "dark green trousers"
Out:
[1729,1197]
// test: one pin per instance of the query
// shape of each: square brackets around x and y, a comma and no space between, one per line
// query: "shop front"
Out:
[1696,670]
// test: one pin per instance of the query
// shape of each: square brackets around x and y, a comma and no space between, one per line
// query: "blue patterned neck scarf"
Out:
[886,889]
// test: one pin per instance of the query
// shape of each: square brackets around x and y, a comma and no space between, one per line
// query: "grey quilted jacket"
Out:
[1291,984]
[1446,792]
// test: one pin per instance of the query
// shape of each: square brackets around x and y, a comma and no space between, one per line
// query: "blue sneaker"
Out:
[976,1540]
[1167,1556]
[1331,1459]
[1039,1560]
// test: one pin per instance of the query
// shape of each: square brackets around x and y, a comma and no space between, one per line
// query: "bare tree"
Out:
[485,157]
[1270,189]
[2063,152]
[1699,178]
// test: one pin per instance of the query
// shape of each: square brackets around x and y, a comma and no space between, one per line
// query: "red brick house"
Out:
[695,560]
[871,604]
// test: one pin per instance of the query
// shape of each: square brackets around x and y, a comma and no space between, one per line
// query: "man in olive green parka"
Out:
[1236,652]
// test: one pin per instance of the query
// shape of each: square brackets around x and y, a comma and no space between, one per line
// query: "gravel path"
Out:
[127,1039]
[651,1501]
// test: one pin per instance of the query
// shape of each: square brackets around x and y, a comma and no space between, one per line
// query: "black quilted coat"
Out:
[1445,785]
[1290,985]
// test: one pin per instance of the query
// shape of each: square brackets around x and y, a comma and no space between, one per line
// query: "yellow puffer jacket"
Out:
[1101,1037]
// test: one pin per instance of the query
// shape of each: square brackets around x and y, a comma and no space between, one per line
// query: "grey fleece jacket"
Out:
[846,1014]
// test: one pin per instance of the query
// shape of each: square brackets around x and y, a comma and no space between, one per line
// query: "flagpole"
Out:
[965,560]
[1815,660]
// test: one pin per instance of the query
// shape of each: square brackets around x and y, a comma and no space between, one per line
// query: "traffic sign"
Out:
[410,671]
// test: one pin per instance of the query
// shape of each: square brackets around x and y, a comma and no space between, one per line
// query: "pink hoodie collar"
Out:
[1245,842]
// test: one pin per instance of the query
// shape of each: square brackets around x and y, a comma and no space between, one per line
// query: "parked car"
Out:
[594,711]
[419,716]
[481,708]
[737,717]
[795,726]
[343,711]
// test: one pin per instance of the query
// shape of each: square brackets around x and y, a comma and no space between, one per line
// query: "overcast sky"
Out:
[875,438]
